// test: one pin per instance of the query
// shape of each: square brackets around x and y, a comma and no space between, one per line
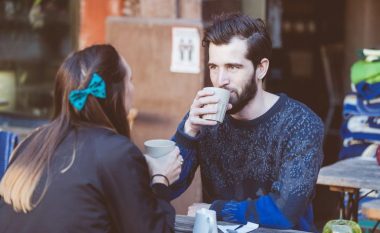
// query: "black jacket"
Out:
[107,189]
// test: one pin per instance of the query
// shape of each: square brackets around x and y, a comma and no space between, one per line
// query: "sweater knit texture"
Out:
[244,164]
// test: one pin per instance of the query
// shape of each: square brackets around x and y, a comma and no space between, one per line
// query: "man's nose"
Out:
[223,79]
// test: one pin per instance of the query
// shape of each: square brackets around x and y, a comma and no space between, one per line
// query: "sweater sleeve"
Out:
[133,205]
[288,203]
[188,148]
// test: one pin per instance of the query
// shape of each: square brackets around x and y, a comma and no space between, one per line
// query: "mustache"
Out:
[230,89]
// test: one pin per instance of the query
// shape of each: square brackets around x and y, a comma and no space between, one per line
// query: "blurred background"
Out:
[315,43]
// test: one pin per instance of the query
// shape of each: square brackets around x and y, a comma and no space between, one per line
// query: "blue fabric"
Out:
[269,215]
[189,166]
[362,128]
[350,107]
[352,150]
[304,221]
[368,108]
[8,141]
[373,138]
[357,106]
[262,211]
[234,211]
[97,88]
[187,173]
[368,91]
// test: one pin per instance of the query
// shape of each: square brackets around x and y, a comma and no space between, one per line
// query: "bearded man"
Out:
[261,164]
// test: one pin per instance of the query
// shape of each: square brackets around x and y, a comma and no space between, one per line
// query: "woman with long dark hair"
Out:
[81,172]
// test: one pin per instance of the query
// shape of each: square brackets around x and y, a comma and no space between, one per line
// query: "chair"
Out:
[332,63]
[371,210]
[8,141]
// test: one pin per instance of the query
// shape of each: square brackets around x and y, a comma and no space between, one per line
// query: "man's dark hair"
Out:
[227,26]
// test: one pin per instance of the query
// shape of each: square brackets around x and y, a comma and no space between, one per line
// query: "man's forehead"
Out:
[233,52]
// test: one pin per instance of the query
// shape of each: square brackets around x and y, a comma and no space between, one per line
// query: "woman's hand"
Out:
[165,168]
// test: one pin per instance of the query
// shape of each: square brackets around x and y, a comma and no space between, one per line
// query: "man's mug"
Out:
[224,97]
[205,221]
[158,147]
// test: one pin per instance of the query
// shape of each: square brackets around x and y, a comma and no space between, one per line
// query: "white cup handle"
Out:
[211,224]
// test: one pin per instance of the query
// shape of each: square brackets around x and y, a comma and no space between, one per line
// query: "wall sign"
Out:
[185,50]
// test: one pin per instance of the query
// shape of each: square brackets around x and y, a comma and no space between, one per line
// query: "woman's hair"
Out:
[24,173]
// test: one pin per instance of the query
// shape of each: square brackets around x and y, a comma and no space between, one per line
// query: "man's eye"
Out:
[234,67]
[212,67]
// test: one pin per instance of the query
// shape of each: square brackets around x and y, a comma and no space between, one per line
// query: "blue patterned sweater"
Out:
[263,170]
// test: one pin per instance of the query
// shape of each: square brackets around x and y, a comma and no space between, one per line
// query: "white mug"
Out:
[205,221]
[224,96]
[158,147]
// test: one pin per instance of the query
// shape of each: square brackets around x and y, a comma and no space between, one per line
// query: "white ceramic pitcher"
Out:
[205,221]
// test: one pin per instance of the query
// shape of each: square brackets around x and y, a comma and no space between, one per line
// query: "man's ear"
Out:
[262,68]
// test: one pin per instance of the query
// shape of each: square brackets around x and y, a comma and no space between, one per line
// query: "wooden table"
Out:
[349,176]
[185,223]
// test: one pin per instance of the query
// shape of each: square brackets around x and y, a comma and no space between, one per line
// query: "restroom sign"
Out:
[185,50]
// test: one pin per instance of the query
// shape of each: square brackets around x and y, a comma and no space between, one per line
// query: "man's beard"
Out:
[248,93]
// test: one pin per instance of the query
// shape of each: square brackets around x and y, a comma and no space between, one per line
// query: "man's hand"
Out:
[196,206]
[204,103]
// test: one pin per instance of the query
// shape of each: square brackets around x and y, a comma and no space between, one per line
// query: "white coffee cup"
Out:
[224,97]
[205,221]
[158,147]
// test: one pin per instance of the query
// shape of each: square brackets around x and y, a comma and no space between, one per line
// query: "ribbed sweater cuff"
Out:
[184,139]
[218,206]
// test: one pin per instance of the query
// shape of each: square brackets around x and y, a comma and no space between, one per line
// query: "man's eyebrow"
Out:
[228,64]
[234,64]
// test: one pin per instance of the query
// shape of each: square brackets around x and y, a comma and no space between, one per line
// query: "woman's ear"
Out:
[262,68]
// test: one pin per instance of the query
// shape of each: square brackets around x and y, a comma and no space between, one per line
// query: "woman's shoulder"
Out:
[109,146]
[102,135]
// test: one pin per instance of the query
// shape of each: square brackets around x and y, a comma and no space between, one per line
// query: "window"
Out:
[35,37]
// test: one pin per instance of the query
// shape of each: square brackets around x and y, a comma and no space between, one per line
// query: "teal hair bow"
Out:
[97,88]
